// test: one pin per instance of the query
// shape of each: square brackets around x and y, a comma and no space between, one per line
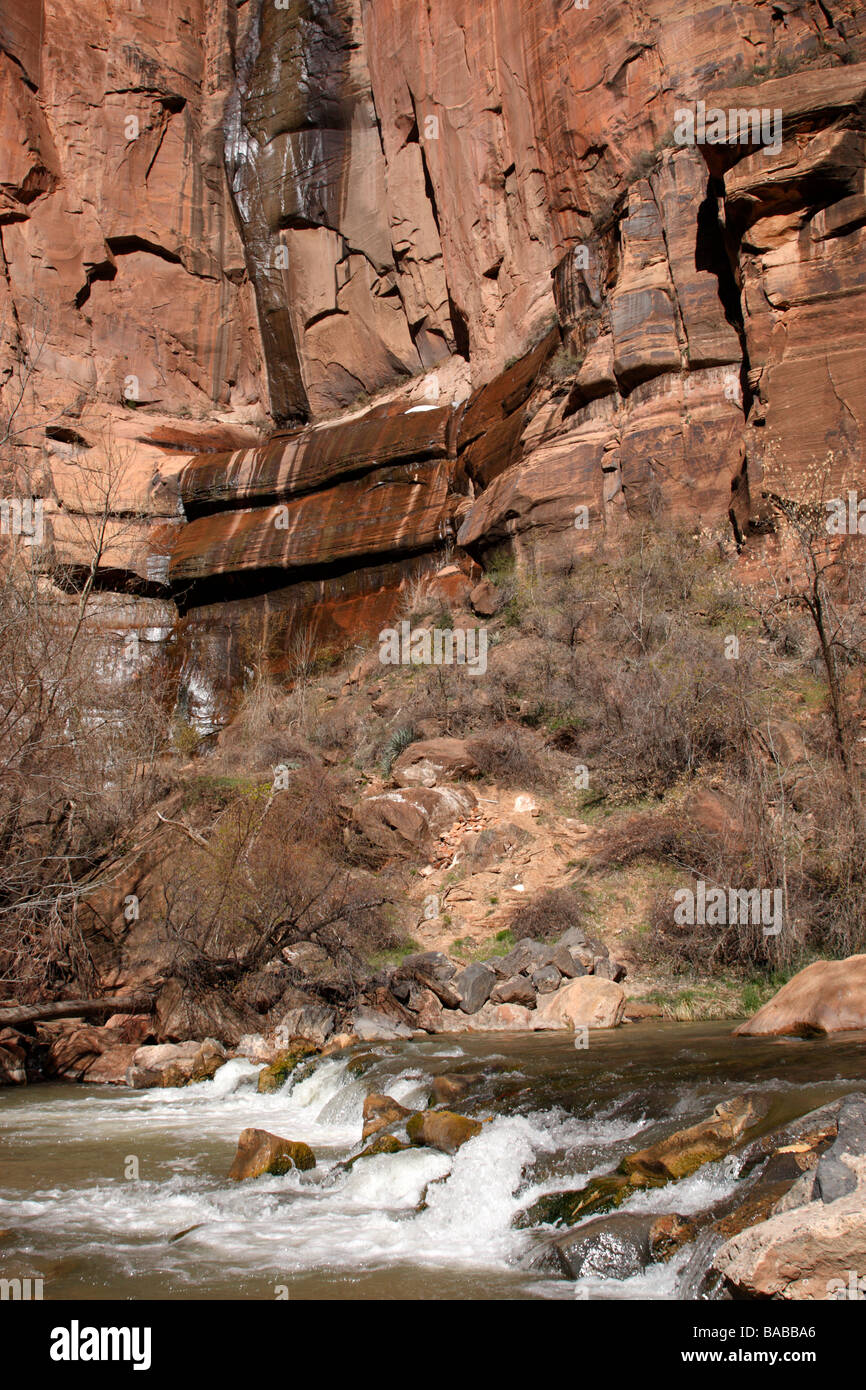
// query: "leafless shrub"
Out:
[549,913]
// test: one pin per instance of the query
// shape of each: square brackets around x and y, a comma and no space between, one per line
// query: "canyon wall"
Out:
[312,298]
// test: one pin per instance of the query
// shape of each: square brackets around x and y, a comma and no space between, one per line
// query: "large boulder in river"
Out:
[587,1002]
[806,1253]
[434,761]
[260,1152]
[827,997]
[608,1247]
[441,1129]
[175,1064]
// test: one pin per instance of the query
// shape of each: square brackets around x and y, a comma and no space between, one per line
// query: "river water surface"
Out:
[111,1193]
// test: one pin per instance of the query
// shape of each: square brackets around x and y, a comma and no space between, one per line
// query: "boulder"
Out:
[474,985]
[827,997]
[806,1253]
[435,761]
[527,956]
[315,1022]
[432,965]
[546,979]
[71,1047]
[257,1048]
[565,963]
[426,1007]
[835,1175]
[111,1067]
[441,1129]
[607,969]
[407,980]
[608,1247]
[517,990]
[276,1074]
[369,1025]
[409,819]
[381,1111]
[583,1003]
[490,1018]
[485,599]
[260,1152]
[175,1064]
[585,957]
[575,936]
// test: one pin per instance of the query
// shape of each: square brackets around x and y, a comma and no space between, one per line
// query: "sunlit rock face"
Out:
[224,228]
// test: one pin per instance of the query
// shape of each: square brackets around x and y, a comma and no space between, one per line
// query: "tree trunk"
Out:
[19,1015]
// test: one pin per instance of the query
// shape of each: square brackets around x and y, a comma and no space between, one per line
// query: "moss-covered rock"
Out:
[272,1077]
[675,1157]
[682,1153]
[600,1195]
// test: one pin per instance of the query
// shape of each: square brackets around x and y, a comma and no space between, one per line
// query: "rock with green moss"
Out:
[260,1152]
[677,1156]
[682,1153]
[272,1077]
[600,1195]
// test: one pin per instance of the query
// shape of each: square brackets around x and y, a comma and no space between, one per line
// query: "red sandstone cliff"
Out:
[220,221]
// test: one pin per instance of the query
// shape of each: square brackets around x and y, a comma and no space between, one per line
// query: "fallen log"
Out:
[19,1015]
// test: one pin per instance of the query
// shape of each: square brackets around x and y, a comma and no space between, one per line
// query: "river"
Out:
[97,1184]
